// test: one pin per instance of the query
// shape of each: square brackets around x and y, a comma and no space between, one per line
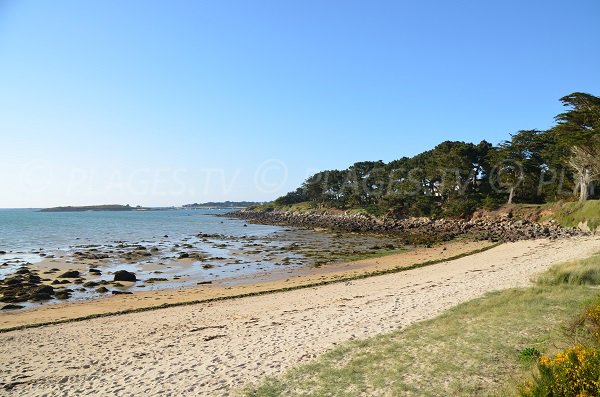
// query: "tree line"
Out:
[456,178]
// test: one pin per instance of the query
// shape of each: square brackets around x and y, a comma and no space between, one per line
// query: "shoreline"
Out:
[500,228]
[217,347]
[235,287]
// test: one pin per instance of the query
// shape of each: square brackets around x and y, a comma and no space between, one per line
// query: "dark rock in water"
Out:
[90,284]
[204,282]
[95,271]
[166,236]
[23,270]
[41,297]
[102,290]
[13,281]
[155,279]
[70,274]
[184,255]
[124,275]
[44,289]
[12,307]
[121,293]
[63,295]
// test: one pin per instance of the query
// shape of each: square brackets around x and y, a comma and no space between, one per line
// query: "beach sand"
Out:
[226,287]
[207,348]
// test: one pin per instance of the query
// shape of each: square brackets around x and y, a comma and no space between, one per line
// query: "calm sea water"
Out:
[27,236]
[24,230]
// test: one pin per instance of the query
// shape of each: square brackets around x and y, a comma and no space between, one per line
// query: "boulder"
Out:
[121,293]
[124,275]
[63,295]
[12,307]
[70,274]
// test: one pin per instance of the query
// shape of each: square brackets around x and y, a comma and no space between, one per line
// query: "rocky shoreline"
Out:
[497,229]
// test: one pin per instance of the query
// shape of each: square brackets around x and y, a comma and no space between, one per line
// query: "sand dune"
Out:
[207,348]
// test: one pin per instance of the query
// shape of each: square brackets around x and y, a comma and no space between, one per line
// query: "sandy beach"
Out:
[211,348]
[283,277]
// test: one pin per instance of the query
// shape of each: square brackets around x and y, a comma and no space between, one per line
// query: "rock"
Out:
[44,289]
[102,290]
[418,231]
[12,307]
[41,297]
[184,255]
[70,274]
[90,284]
[124,275]
[62,295]
[121,292]
[155,279]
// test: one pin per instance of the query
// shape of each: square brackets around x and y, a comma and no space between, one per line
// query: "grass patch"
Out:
[571,214]
[579,272]
[477,348]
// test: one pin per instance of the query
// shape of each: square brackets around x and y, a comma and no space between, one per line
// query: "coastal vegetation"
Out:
[454,179]
[528,341]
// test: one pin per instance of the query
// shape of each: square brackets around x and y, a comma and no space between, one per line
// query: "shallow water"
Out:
[220,248]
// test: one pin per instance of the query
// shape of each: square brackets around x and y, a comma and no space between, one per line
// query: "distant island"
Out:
[104,207]
[222,204]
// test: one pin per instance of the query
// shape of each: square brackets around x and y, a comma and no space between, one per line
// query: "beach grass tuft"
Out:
[579,272]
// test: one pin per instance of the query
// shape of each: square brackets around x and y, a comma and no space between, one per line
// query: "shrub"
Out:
[460,207]
[574,371]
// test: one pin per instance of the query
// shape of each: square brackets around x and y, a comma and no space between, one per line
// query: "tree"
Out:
[579,128]
[518,164]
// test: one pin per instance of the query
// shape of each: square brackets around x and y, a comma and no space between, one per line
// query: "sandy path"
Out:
[203,349]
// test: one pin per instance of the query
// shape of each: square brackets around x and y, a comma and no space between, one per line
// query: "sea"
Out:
[26,230]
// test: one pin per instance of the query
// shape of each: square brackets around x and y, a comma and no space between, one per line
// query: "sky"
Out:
[160,103]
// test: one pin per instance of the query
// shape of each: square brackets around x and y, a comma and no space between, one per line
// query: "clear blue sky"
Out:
[170,102]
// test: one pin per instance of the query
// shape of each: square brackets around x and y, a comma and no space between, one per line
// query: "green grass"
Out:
[579,272]
[571,214]
[474,349]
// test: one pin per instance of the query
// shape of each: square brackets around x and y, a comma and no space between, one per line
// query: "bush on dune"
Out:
[574,371]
